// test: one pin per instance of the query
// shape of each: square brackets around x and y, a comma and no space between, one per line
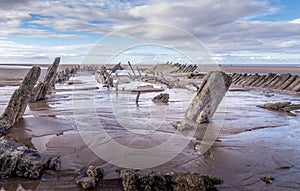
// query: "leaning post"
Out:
[210,94]
[17,104]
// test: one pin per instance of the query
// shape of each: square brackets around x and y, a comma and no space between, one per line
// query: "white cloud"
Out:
[35,33]
[295,21]
[226,26]
[12,18]
[12,52]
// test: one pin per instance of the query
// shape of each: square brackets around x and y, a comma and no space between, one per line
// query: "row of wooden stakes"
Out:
[281,82]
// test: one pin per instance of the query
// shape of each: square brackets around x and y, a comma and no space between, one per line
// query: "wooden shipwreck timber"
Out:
[16,159]
[283,82]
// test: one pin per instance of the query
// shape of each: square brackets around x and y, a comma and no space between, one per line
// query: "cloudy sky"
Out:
[230,32]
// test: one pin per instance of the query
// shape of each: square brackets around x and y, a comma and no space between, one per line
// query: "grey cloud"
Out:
[35,33]
[221,25]
[198,12]
[13,4]
[260,36]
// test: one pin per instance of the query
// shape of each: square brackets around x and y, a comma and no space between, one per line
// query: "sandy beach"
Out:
[252,142]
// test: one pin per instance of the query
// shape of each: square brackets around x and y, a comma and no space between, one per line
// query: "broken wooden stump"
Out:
[137,98]
[18,102]
[41,89]
[173,181]
[210,94]
[16,159]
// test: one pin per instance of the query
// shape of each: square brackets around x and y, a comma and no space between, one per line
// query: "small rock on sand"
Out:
[161,98]
[267,179]
[173,181]
[92,178]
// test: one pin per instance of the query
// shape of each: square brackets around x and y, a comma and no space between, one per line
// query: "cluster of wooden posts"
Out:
[16,158]
[31,90]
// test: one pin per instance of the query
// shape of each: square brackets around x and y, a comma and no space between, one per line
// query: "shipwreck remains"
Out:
[41,89]
[65,74]
[209,95]
[16,159]
[19,100]
[281,82]
[104,77]
[173,181]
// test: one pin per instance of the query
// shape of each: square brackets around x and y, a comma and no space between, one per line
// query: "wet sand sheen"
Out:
[253,142]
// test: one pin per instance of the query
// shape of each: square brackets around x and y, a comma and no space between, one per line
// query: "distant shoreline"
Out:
[234,68]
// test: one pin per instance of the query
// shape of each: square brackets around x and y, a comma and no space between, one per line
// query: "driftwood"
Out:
[16,159]
[41,89]
[18,102]
[281,106]
[134,180]
[210,94]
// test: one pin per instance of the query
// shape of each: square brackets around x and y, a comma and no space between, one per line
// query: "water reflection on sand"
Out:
[253,142]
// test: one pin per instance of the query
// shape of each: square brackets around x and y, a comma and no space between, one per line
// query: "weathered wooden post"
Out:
[115,68]
[131,68]
[140,74]
[210,94]
[137,98]
[40,91]
[104,77]
[18,102]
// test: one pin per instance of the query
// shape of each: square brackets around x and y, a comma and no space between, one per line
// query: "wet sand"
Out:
[253,142]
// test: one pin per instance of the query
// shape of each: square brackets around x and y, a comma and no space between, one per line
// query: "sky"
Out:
[153,31]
